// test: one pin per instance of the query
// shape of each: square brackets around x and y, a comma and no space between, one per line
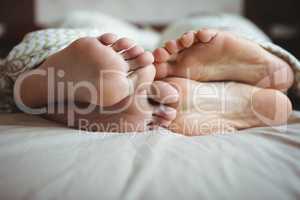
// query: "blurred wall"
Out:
[151,11]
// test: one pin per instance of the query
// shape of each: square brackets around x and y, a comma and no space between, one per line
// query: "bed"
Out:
[43,160]
[40,159]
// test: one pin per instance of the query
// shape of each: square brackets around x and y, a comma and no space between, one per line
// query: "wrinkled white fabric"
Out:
[38,162]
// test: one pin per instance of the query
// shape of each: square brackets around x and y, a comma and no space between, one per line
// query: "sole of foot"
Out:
[145,110]
[214,55]
[103,71]
[207,108]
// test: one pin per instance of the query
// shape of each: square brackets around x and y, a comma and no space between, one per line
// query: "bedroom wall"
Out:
[154,11]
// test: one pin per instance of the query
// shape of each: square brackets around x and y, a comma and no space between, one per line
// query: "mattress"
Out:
[40,159]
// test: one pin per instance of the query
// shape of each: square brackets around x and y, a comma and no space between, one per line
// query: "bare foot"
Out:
[212,55]
[206,108]
[102,70]
[142,111]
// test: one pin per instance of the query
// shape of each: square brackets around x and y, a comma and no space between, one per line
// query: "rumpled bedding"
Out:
[39,162]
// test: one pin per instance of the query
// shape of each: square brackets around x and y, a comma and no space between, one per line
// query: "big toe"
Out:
[165,112]
[142,78]
[163,93]
[163,116]
[165,98]
[271,107]
[161,55]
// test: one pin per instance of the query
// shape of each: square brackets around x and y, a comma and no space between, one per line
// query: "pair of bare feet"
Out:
[183,98]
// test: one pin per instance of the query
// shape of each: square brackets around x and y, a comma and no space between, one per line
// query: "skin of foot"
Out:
[145,110]
[122,74]
[102,71]
[133,67]
[222,107]
[214,55]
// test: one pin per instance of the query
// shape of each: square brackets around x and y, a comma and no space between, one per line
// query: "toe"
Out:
[179,45]
[172,47]
[165,112]
[271,107]
[163,93]
[161,55]
[187,39]
[206,35]
[142,78]
[281,75]
[133,52]
[141,60]
[163,70]
[159,122]
[123,44]
[108,38]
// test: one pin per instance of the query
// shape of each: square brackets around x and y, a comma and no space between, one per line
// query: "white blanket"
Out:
[43,160]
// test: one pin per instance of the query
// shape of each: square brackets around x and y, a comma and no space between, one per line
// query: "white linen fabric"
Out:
[38,162]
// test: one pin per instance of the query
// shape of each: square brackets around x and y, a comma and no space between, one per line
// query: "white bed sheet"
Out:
[43,160]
